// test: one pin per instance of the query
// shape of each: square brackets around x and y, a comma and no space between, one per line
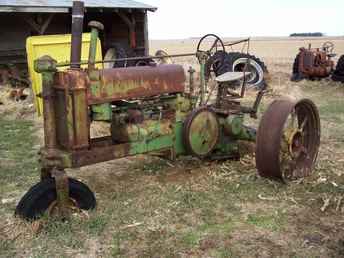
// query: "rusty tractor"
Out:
[314,63]
[151,111]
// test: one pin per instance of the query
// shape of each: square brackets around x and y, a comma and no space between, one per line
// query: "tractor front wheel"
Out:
[41,198]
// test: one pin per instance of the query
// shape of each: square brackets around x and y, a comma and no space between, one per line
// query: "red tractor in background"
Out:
[317,63]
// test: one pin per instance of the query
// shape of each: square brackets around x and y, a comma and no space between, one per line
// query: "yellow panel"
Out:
[58,47]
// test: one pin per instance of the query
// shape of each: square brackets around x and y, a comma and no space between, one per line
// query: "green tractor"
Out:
[150,110]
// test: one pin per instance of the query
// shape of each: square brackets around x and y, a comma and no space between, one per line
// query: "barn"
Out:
[125,21]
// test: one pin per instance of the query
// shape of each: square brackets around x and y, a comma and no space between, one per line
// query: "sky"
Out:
[178,19]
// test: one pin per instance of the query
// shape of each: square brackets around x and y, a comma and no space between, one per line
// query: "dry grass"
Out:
[149,207]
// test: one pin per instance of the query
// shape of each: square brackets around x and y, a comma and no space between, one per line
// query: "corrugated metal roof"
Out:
[63,4]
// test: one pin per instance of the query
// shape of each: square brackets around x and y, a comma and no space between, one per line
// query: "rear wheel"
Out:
[117,51]
[288,140]
[338,74]
[222,62]
[296,76]
[255,66]
[42,198]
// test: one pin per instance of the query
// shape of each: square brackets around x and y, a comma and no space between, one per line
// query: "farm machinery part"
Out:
[223,61]
[338,74]
[314,63]
[150,111]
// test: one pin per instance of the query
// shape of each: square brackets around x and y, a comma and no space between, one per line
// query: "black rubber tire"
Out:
[37,200]
[120,53]
[296,76]
[131,53]
[144,62]
[217,64]
[340,66]
[338,78]
[229,61]
[338,74]
[296,64]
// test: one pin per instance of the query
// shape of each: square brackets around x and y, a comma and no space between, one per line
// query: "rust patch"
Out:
[137,82]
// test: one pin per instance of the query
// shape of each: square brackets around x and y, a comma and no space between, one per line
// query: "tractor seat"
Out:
[231,76]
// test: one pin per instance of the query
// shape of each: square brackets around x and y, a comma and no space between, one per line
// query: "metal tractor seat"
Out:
[231,76]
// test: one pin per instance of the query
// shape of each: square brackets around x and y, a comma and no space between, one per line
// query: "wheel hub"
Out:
[201,132]
[296,144]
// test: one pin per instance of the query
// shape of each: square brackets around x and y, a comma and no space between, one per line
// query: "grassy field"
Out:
[148,207]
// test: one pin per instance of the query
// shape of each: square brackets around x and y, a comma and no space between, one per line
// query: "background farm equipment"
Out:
[150,110]
[222,61]
[314,63]
[338,74]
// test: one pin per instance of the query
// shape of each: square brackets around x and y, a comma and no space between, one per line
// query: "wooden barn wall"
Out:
[14,29]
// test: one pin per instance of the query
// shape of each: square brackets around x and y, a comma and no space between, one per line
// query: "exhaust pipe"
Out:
[77,28]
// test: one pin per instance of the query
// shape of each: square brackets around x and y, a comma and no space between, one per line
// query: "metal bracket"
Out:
[62,191]
[40,28]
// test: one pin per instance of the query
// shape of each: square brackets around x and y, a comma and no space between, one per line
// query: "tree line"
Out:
[307,34]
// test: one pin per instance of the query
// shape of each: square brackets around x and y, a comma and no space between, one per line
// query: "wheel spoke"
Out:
[293,118]
[302,125]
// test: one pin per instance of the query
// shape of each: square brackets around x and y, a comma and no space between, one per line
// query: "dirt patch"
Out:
[13,108]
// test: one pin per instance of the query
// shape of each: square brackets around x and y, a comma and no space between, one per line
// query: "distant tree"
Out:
[307,34]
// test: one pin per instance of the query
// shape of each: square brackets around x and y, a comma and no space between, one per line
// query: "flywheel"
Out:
[201,132]
[288,140]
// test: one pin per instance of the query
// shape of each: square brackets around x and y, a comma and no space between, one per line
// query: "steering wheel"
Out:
[214,46]
[328,46]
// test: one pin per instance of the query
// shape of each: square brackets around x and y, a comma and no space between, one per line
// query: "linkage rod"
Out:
[125,59]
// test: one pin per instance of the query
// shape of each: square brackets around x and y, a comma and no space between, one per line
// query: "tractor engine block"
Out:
[135,125]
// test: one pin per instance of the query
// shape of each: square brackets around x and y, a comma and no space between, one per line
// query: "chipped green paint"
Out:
[102,112]
[160,143]
[95,82]
[234,126]
[148,130]
[179,147]
[203,132]
[227,147]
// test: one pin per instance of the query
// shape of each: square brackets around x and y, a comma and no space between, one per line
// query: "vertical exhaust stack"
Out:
[77,28]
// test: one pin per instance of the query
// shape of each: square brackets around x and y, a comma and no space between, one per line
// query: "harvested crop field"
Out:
[149,207]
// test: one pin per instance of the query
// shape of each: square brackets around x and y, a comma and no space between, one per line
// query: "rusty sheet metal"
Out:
[135,82]
[71,109]
[71,79]
[271,136]
[104,150]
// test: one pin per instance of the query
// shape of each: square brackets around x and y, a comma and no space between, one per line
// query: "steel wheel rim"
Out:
[288,152]
[255,69]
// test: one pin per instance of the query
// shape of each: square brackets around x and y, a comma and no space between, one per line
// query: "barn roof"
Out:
[64,5]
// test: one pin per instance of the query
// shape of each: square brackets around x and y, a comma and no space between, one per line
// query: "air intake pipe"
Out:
[95,28]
